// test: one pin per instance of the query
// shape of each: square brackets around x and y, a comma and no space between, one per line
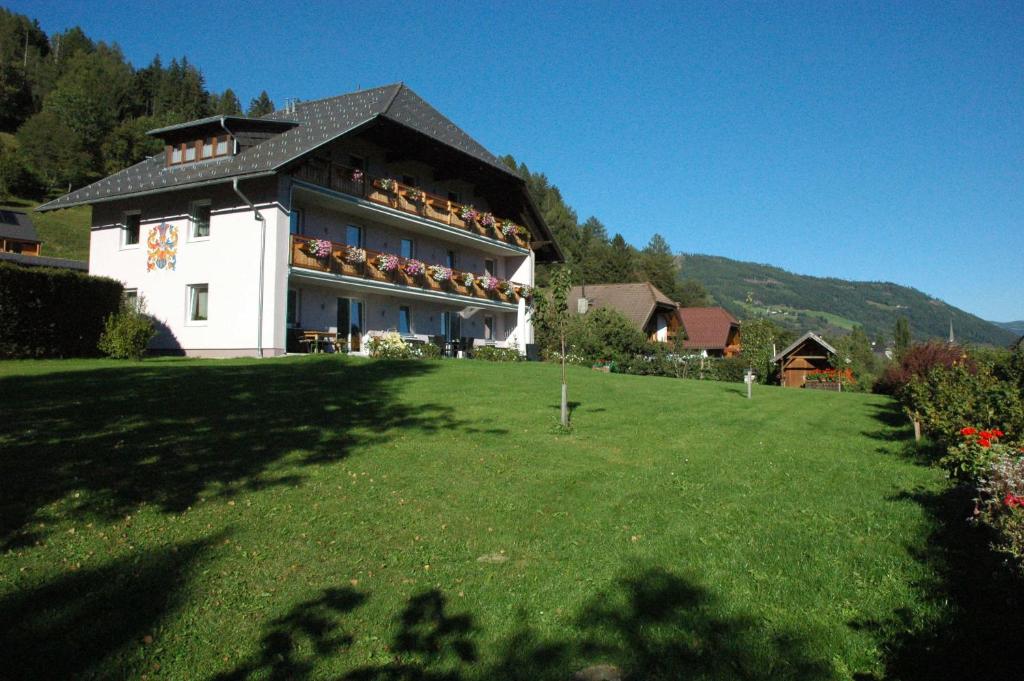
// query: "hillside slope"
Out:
[827,305]
[1014,327]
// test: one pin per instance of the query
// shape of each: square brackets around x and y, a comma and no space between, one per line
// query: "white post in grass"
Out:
[748,378]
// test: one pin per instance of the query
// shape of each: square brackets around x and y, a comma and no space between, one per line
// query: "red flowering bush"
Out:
[972,457]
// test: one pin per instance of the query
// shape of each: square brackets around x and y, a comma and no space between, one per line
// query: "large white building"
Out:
[353,215]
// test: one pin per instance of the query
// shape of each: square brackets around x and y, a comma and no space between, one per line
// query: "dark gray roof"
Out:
[16,225]
[43,261]
[229,120]
[319,122]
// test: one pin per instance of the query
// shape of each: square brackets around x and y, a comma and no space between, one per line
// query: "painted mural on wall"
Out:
[163,247]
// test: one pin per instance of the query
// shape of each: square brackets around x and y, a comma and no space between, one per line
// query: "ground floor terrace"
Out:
[344,315]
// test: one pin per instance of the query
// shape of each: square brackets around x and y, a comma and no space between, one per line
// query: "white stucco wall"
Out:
[228,261]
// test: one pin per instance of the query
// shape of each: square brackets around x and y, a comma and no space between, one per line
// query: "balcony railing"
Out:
[337,258]
[389,192]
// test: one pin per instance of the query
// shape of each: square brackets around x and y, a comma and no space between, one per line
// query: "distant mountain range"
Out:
[1015,327]
[833,306]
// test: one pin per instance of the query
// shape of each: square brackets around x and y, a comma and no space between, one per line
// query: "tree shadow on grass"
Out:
[94,622]
[978,629]
[163,433]
[653,625]
[315,621]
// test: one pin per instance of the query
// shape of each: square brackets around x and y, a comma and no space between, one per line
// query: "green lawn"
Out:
[322,517]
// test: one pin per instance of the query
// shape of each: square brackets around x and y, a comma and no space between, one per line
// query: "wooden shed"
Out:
[807,354]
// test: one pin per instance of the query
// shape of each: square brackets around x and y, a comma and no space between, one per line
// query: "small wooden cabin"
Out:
[807,354]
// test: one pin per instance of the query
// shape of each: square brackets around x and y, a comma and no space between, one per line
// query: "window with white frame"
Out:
[198,302]
[490,268]
[130,298]
[132,228]
[450,259]
[488,328]
[200,218]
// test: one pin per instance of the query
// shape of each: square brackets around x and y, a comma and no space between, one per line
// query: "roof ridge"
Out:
[398,88]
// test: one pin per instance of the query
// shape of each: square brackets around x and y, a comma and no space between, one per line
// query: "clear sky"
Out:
[864,141]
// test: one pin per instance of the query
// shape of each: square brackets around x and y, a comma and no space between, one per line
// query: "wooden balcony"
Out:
[340,262]
[394,194]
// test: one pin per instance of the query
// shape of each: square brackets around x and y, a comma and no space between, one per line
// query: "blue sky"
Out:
[864,141]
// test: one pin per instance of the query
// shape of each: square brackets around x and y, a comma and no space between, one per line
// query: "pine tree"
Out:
[261,106]
[658,265]
[227,104]
[901,337]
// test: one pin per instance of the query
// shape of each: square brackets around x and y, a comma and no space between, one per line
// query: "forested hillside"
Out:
[832,306]
[78,111]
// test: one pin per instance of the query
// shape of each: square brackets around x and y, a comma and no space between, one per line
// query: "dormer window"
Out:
[199,149]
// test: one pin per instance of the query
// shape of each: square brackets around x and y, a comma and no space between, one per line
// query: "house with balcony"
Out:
[340,218]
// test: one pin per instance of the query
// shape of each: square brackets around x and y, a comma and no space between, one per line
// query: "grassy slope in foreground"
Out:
[322,515]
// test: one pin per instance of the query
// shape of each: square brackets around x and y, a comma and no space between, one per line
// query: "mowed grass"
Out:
[325,517]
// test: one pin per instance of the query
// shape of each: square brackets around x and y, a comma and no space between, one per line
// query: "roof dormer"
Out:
[215,137]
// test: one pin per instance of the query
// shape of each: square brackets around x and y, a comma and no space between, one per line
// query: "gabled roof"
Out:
[318,122]
[16,225]
[636,301]
[707,328]
[811,336]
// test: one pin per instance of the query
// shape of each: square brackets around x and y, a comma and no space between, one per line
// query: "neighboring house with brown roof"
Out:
[17,233]
[642,303]
[710,329]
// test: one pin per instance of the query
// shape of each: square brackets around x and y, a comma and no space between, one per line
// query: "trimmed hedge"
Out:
[48,312]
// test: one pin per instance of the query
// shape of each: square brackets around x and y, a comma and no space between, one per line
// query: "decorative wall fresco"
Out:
[163,247]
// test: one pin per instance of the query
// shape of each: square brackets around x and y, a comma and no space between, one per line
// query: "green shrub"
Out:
[947,399]
[427,351]
[127,333]
[489,353]
[48,312]
[606,334]
[732,370]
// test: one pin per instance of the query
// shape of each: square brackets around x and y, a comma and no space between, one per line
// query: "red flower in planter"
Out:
[968,431]
[997,432]
[1013,501]
[984,444]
